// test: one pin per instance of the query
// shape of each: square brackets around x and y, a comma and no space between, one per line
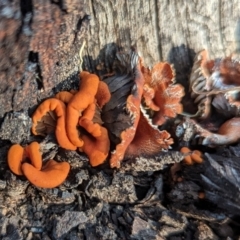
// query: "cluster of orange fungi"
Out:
[28,162]
[76,119]
[191,157]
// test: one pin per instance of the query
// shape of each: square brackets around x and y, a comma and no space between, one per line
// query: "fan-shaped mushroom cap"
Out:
[133,108]
[160,92]
[148,140]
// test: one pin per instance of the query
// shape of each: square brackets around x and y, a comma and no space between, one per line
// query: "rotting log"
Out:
[40,40]
[163,30]
[39,46]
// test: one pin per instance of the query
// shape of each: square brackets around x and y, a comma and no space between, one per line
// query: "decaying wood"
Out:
[39,46]
[40,39]
[164,30]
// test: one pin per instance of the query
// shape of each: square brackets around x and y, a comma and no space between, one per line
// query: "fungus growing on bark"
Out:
[228,133]
[191,156]
[132,106]
[122,114]
[96,147]
[41,126]
[17,155]
[33,153]
[148,140]
[103,94]
[64,96]
[51,175]
[160,93]
[211,77]
[78,103]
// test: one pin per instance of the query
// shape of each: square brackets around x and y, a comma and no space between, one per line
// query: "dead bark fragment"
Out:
[67,221]
[39,45]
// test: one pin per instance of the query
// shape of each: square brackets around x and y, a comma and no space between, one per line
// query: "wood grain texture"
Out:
[163,29]
[39,46]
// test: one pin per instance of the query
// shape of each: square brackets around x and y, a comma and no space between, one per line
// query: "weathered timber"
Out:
[39,46]
[164,30]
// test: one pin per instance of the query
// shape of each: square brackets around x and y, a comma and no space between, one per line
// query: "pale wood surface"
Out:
[172,30]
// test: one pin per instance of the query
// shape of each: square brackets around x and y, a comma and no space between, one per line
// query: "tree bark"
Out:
[163,30]
[40,40]
[39,45]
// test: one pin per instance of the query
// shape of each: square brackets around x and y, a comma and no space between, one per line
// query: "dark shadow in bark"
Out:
[182,59]
[103,62]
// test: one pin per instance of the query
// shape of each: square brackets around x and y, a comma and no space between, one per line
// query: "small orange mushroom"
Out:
[97,148]
[79,102]
[187,159]
[17,155]
[191,156]
[197,156]
[33,153]
[52,174]
[64,96]
[59,109]
[103,94]
[201,195]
